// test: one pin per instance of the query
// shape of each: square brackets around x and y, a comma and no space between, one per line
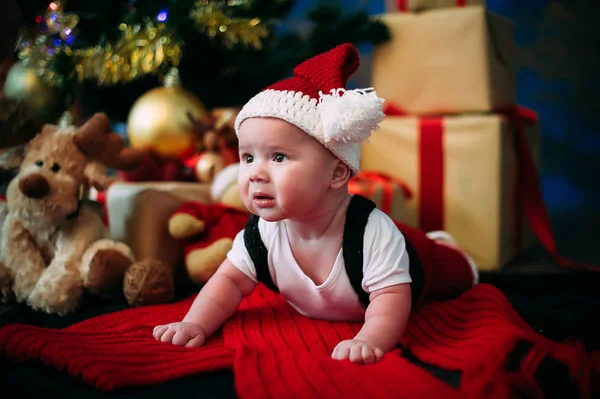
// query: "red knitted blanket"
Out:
[275,352]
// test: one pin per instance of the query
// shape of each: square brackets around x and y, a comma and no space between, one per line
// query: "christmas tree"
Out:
[107,54]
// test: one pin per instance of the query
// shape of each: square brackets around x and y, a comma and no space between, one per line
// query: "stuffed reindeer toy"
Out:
[53,243]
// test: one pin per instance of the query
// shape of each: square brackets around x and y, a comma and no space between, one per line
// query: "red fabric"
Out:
[446,268]
[323,72]
[431,174]
[275,352]
[220,221]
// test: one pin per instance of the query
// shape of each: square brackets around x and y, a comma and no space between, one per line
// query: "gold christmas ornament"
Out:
[209,164]
[159,119]
[25,85]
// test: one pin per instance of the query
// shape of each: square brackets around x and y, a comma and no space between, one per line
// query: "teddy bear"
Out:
[208,230]
[53,244]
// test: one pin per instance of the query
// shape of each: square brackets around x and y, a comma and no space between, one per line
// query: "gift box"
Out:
[138,215]
[447,60]
[387,192]
[464,172]
[421,5]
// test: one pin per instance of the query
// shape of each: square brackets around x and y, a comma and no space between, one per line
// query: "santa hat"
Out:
[223,180]
[316,100]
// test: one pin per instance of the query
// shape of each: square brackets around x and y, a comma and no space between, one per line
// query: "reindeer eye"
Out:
[55,167]
[39,162]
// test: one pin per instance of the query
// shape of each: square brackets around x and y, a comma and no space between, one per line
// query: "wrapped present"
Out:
[464,173]
[421,5]
[138,215]
[388,192]
[447,60]
[98,200]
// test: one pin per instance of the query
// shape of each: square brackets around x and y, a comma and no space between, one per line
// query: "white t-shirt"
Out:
[385,263]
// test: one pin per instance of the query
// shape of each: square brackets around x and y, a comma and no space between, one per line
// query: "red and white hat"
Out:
[315,99]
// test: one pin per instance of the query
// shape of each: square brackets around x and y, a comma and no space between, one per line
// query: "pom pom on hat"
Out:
[350,115]
[316,100]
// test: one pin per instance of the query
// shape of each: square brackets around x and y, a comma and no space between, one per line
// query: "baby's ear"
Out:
[12,157]
[341,174]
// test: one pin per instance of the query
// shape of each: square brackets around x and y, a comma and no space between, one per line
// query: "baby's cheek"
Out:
[244,195]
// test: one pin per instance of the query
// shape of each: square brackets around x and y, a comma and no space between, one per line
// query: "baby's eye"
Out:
[279,158]
[247,158]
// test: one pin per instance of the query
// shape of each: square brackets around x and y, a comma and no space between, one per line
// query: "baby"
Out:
[330,254]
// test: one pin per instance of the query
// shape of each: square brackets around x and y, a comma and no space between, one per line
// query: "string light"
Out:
[162,16]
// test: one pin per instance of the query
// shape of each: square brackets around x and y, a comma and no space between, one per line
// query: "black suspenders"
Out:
[357,217]
[258,252]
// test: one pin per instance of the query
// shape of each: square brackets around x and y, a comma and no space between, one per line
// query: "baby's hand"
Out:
[185,334]
[357,351]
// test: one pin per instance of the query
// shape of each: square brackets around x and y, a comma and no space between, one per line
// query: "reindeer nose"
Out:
[34,186]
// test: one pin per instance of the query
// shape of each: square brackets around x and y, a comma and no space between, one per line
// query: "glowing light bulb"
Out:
[162,16]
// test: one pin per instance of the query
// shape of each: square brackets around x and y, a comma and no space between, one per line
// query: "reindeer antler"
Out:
[97,141]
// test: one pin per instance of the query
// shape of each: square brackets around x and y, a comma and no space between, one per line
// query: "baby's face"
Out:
[284,173]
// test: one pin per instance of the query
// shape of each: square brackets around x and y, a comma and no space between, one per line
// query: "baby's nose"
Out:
[258,173]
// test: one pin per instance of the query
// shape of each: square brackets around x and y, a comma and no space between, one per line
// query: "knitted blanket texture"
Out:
[277,353]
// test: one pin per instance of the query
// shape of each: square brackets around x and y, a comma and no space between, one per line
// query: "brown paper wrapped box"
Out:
[447,60]
[138,215]
[462,171]
[420,5]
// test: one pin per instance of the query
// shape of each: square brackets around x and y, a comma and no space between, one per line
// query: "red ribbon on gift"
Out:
[369,180]
[403,4]
[100,198]
[529,194]
[530,191]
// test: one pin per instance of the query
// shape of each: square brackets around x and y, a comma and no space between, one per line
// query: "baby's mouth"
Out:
[262,197]
[263,201]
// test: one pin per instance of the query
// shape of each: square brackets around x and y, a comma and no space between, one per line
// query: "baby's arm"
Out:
[217,301]
[385,321]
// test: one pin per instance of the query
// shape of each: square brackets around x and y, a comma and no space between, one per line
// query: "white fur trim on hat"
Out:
[340,120]
[223,180]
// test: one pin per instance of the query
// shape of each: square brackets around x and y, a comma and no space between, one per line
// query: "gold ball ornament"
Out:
[159,119]
[23,84]
[207,167]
